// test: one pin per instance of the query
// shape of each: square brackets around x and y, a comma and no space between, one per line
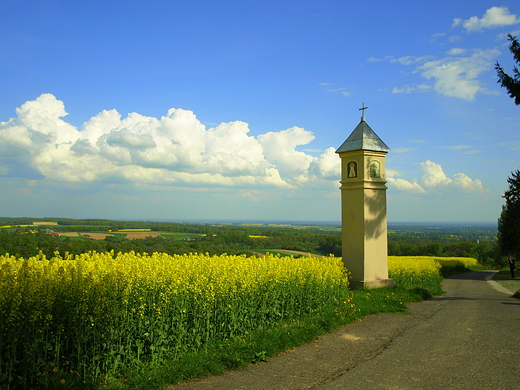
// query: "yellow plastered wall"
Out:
[364,215]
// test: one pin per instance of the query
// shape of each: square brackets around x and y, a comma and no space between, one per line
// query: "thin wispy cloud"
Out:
[458,71]
[454,75]
[403,150]
[465,149]
[456,147]
[511,145]
[456,51]
[410,88]
[335,89]
[459,76]
[436,36]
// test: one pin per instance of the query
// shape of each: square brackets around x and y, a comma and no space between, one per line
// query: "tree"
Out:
[512,84]
[509,221]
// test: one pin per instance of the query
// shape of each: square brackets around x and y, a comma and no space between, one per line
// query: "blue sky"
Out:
[233,109]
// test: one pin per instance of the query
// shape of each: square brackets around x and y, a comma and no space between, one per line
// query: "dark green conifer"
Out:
[509,221]
[512,84]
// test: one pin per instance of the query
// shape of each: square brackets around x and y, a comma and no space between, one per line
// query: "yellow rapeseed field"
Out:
[423,271]
[100,312]
[427,263]
[104,311]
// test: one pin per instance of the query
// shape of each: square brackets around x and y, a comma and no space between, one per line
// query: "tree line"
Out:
[238,240]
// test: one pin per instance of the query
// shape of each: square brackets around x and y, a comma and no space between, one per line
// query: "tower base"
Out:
[360,284]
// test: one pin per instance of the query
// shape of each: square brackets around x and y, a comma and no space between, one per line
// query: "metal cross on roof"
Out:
[362,109]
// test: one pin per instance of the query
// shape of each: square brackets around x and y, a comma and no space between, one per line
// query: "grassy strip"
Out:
[262,344]
[503,277]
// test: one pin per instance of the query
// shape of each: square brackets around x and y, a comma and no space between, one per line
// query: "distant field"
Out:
[95,236]
[130,235]
[70,234]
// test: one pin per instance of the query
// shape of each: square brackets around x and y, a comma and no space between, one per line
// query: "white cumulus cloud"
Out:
[493,17]
[328,165]
[176,149]
[405,185]
[434,177]
[467,184]
[280,148]
[402,184]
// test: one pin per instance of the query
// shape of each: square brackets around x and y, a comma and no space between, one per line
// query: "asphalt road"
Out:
[471,342]
[468,338]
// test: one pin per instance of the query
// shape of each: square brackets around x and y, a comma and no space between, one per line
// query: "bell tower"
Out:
[363,207]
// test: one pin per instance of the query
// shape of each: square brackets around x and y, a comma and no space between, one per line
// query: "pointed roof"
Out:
[363,138]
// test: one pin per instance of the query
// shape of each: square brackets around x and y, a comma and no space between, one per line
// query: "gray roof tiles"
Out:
[363,138]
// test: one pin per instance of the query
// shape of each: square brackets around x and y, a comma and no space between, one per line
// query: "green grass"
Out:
[505,274]
[503,277]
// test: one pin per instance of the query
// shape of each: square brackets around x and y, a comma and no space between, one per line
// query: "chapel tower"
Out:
[363,207]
